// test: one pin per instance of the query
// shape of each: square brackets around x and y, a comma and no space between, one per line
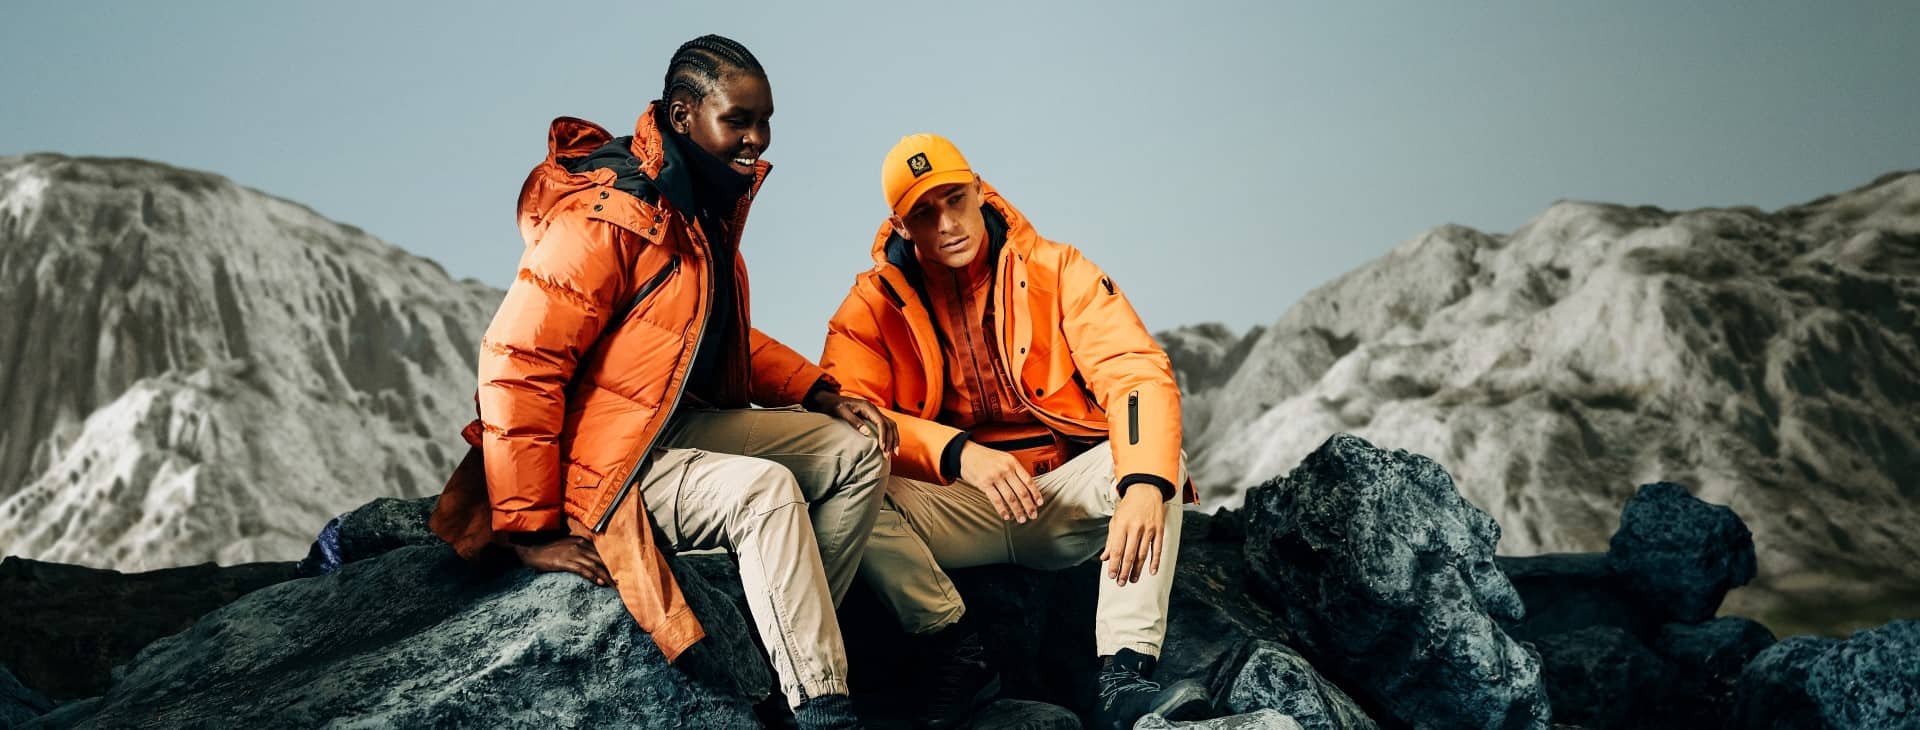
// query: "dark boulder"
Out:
[1386,575]
[18,704]
[1024,715]
[1707,658]
[64,627]
[417,637]
[1602,677]
[1678,555]
[1571,591]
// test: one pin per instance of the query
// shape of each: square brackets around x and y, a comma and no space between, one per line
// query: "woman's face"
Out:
[734,121]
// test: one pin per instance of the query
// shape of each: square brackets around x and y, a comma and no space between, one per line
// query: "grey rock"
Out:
[1602,677]
[417,637]
[1387,576]
[1871,680]
[1278,678]
[18,704]
[1708,658]
[1772,691]
[1678,555]
[1257,720]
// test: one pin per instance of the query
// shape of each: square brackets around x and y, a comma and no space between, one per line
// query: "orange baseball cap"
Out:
[918,163]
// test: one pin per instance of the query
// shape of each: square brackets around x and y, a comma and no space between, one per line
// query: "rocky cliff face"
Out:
[191,370]
[1769,361]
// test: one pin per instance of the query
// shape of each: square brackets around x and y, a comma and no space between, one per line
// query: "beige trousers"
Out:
[925,528]
[794,496]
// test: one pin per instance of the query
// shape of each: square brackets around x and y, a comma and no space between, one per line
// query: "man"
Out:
[1039,425]
[615,380]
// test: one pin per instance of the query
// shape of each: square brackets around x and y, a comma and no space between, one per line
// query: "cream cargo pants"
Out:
[926,528]
[794,496]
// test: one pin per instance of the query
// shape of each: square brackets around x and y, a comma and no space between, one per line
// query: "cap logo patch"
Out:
[919,164]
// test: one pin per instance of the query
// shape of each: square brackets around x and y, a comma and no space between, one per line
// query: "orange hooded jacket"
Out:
[1079,356]
[567,414]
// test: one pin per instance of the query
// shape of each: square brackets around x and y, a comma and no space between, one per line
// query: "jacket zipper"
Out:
[1133,418]
[655,282]
[646,454]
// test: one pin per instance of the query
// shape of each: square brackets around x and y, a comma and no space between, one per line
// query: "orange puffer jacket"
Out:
[1081,359]
[569,414]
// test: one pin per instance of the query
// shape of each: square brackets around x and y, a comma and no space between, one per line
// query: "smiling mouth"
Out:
[746,162]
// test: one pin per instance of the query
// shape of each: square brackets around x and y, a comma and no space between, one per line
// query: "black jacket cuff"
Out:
[950,457]
[530,539]
[1167,490]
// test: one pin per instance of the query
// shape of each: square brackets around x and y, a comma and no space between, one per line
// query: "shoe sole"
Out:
[1184,700]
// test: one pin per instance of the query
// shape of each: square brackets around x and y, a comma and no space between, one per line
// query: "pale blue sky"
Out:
[1218,159]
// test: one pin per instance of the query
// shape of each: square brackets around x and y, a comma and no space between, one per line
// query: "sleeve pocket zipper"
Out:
[1133,418]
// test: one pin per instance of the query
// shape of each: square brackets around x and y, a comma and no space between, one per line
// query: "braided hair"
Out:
[697,66]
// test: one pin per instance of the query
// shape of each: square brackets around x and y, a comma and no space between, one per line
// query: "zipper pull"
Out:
[1133,418]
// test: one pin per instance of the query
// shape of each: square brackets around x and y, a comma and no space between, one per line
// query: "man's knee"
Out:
[869,462]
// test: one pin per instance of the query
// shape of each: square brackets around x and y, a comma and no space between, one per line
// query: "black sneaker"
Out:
[960,681]
[1126,693]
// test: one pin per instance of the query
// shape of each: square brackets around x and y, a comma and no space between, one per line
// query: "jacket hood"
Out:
[636,173]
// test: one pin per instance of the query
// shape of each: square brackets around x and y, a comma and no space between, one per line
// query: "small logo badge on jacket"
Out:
[919,164]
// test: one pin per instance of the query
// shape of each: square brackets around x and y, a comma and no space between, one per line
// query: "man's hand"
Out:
[570,554]
[1135,535]
[862,416]
[1003,479]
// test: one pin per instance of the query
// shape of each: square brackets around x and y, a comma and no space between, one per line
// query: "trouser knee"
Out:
[765,487]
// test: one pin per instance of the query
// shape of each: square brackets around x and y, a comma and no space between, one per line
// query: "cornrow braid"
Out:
[697,66]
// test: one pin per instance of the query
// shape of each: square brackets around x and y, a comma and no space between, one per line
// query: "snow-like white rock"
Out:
[1768,361]
[191,370]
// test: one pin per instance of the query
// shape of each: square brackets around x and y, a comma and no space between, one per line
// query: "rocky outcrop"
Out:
[64,627]
[194,371]
[1351,594]
[1768,360]
[1387,576]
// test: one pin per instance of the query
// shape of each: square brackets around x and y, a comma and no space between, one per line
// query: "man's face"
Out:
[733,122]
[945,225]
